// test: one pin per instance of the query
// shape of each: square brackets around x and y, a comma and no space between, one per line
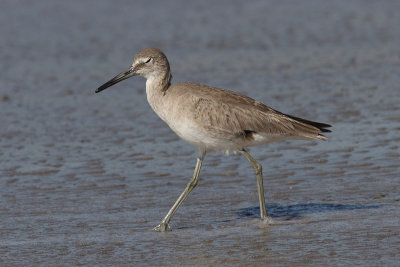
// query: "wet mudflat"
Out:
[85,177]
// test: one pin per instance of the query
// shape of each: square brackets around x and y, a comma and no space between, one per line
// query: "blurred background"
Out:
[85,177]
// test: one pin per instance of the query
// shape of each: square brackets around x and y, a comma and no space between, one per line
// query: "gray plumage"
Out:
[213,119]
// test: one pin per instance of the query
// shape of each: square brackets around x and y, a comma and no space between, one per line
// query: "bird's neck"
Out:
[158,82]
[156,88]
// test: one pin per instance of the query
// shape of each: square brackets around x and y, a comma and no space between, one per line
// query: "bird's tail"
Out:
[312,127]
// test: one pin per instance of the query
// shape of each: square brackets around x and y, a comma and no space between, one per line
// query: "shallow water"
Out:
[85,177]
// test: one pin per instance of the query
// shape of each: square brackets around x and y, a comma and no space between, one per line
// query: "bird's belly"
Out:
[210,140]
[214,140]
[202,138]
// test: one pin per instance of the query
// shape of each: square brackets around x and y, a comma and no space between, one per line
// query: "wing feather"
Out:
[223,111]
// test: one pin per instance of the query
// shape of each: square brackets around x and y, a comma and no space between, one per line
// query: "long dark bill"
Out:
[120,77]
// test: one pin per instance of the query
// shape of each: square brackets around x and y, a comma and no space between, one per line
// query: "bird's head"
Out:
[149,63]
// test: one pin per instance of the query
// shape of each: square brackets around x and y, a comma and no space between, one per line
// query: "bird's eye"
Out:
[147,61]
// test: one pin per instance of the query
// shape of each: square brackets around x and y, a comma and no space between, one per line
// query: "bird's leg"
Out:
[163,226]
[258,170]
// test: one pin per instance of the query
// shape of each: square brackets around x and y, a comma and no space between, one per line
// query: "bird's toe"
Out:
[162,227]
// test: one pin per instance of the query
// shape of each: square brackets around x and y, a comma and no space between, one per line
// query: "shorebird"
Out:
[213,119]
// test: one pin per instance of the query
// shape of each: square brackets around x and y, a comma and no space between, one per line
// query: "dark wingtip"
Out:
[325,130]
[321,126]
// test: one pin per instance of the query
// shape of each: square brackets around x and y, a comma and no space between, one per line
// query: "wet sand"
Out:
[84,177]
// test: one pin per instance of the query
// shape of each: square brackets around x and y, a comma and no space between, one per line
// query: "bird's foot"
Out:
[162,227]
[267,220]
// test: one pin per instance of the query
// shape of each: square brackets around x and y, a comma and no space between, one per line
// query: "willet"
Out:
[213,119]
